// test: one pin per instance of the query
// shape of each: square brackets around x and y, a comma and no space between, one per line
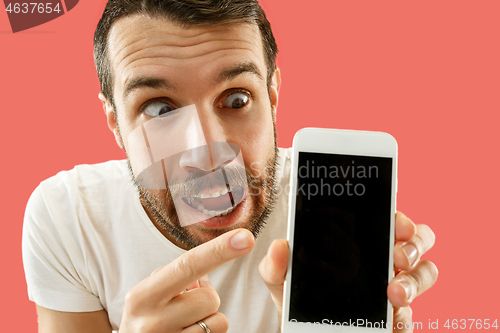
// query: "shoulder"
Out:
[84,180]
[284,166]
[87,175]
[284,161]
[285,153]
[66,220]
[73,194]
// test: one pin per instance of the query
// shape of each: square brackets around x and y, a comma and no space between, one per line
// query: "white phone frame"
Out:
[345,142]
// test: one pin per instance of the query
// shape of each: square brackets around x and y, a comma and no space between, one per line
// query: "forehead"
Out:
[140,45]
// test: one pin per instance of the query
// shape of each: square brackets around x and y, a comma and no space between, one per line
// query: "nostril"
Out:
[196,158]
[207,158]
[222,153]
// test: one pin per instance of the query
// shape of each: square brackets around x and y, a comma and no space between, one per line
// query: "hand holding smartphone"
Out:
[340,232]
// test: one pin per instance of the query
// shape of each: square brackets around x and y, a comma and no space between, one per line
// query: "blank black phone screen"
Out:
[342,238]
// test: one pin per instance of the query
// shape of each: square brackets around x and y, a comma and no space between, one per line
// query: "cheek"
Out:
[127,124]
[257,144]
[158,196]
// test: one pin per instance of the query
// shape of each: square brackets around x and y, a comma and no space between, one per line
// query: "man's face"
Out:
[159,66]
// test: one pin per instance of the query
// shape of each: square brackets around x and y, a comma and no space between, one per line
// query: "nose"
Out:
[207,158]
[217,152]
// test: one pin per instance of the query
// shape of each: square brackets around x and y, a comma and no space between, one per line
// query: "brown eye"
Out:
[158,108]
[236,100]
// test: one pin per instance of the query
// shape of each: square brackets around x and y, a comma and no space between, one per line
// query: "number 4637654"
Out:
[470,323]
[32,7]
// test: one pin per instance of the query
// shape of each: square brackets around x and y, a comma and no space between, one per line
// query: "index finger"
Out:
[189,267]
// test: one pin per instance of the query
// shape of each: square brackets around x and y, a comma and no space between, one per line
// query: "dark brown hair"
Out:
[185,13]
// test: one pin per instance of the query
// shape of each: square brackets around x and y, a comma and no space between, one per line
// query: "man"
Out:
[101,254]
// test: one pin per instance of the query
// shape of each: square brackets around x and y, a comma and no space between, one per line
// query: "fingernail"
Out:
[407,287]
[205,282]
[411,253]
[241,241]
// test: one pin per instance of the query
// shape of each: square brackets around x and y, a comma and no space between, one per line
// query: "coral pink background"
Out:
[428,72]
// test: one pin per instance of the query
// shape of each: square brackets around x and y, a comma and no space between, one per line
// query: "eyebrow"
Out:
[147,82]
[232,72]
[161,83]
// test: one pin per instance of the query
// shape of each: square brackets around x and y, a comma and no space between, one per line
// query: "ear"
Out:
[275,89]
[110,116]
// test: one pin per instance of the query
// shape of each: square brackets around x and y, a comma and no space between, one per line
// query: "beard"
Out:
[261,189]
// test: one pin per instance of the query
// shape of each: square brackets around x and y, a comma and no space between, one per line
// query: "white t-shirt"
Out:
[87,241]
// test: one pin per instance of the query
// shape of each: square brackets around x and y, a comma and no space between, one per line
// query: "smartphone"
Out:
[340,232]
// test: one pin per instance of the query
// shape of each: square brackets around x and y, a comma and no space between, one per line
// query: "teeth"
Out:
[213,195]
[213,213]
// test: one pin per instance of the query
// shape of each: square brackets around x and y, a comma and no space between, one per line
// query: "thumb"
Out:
[273,268]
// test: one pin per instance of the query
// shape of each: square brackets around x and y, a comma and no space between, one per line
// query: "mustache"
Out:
[233,178]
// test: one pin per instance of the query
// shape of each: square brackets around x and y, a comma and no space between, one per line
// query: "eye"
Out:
[157,108]
[236,100]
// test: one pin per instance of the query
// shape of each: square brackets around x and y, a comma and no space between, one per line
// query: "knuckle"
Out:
[133,300]
[223,323]
[407,313]
[219,252]
[420,244]
[424,275]
[144,325]
[410,311]
[432,236]
[185,266]
[212,299]
[208,299]
[130,297]
[431,270]
[427,236]
[403,319]
[398,313]
[204,300]
[404,314]
[415,279]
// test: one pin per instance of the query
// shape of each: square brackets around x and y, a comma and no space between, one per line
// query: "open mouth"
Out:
[216,202]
